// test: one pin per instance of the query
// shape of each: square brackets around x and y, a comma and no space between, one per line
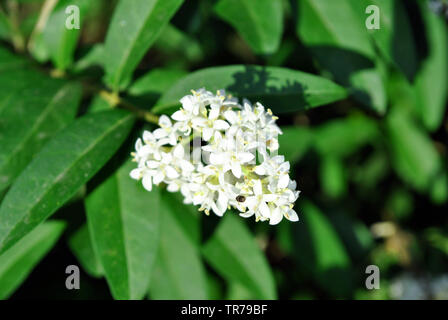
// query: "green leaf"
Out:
[234,254]
[156,81]
[343,137]
[284,52]
[294,142]
[319,250]
[355,235]
[57,172]
[134,28]
[333,176]
[5,28]
[439,189]
[214,287]
[337,38]
[16,79]
[38,49]
[94,57]
[260,23]
[17,262]
[437,238]
[371,171]
[414,155]
[401,92]
[148,88]
[178,45]
[179,272]
[335,24]
[236,291]
[9,61]
[27,24]
[98,104]
[59,41]
[123,219]
[432,79]
[394,38]
[282,90]
[30,114]
[81,245]
[400,203]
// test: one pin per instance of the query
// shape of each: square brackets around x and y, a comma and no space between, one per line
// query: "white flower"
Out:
[167,132]
[283,209]
[257,204]
[277,169]
[226,152]
[226,176]
[144,174]
[142,152]
[179,160]
[231,160]
[219,200]
[210,126]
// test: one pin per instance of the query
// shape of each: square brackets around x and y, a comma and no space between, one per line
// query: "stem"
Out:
[114,100]
[17,38]
[45,12]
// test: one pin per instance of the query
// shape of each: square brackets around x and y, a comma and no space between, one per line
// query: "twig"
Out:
[114,100]
[17,37]
[45,12]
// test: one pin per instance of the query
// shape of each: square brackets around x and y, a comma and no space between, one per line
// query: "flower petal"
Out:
[247,214]
[236,169]
[214,113]
[158,177]
[148,136]
[178,151]
[187,103]
[136,173]
[187,166]
[276,216]
[160,133]
[283,181]
[245,157]
[292,215]
[216,158]
[258,190]
[164,121]
[260,170]
[172,187]
[270,197]
[221,125]
[147,182]
[179,115]
[207,133]
[264,210]
[171,172]
[138,144]
[152,164]
[231,116]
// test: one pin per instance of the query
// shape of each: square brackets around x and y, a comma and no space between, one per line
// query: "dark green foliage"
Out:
[365,128]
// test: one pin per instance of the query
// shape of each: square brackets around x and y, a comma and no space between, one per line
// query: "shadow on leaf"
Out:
[256,79]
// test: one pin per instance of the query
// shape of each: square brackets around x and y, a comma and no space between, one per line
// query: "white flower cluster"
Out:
[226,175]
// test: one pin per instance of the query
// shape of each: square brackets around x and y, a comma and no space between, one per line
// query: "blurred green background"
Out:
[372,168]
